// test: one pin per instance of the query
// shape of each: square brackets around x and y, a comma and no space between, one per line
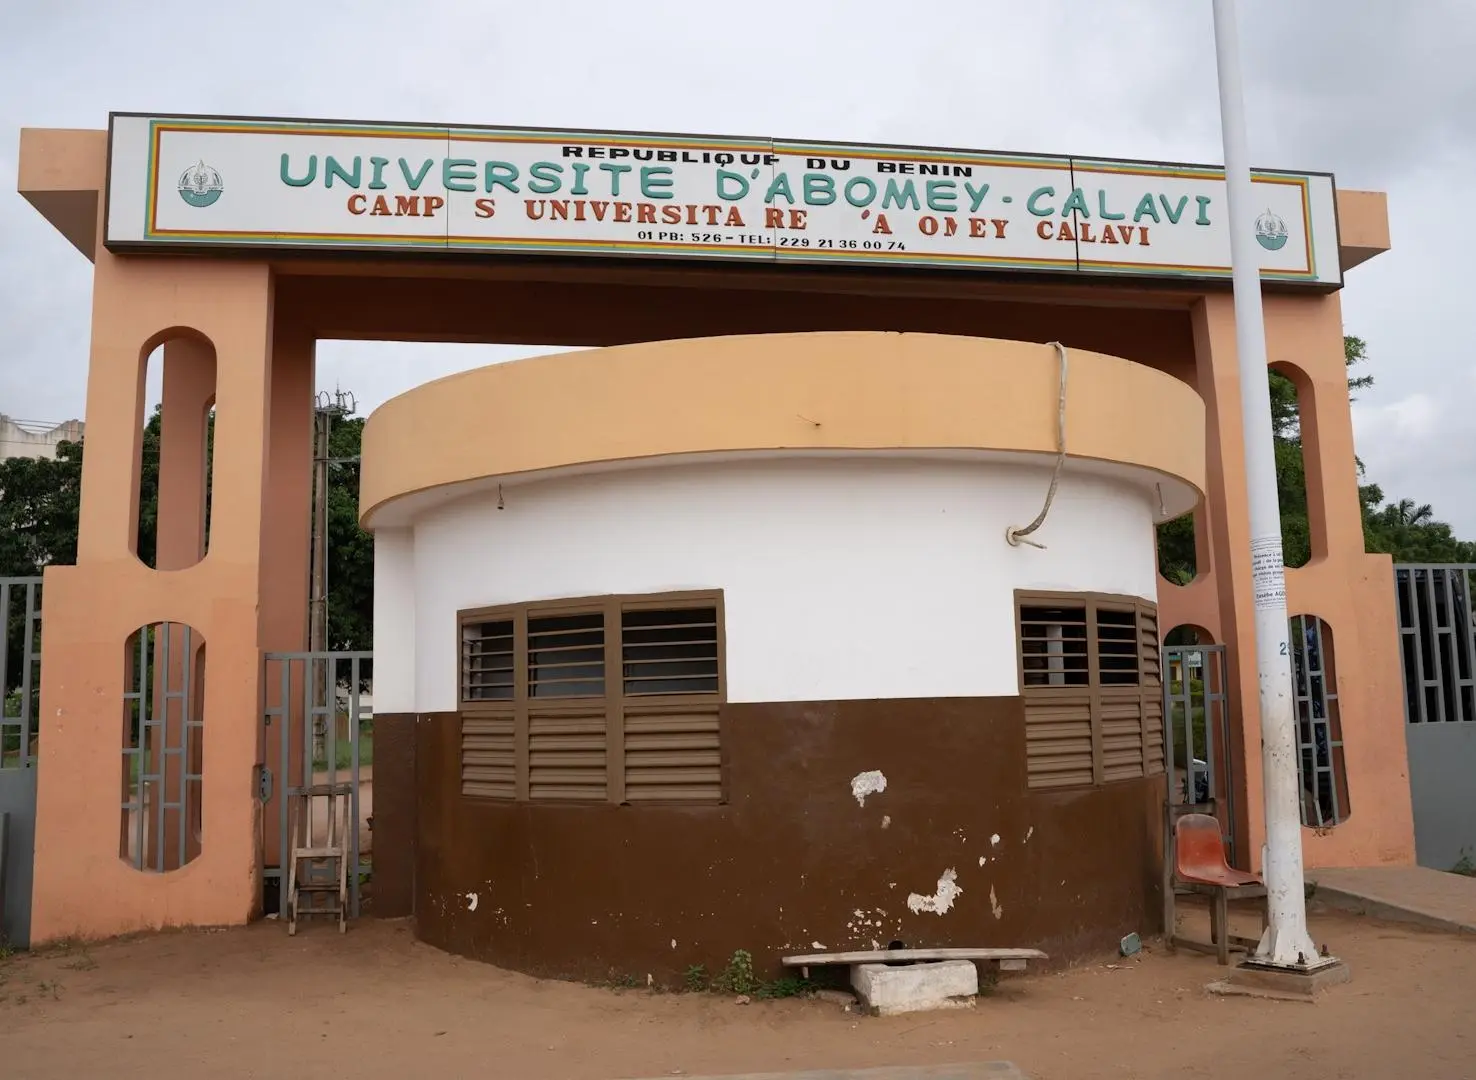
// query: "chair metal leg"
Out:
[1170,915]
[1221,931]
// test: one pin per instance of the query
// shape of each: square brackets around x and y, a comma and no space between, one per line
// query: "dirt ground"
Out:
[376,1003]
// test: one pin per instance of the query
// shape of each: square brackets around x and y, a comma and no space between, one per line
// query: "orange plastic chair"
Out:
[1199,862]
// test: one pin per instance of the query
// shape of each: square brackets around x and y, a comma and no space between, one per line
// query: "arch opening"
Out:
[1291,393]
[173,470]
[1321,770]
[162,773]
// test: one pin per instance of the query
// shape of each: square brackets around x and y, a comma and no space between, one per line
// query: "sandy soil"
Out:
[376,1003]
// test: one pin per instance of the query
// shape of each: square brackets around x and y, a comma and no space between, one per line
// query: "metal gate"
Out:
[1437,639]
[1196,737]
[20,685]
[318,733]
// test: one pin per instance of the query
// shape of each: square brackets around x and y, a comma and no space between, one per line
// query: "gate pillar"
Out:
[82,885]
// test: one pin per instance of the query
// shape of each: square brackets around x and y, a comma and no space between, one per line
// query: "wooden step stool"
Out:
[317,876]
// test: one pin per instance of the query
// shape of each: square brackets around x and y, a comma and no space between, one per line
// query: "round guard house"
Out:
[720,644]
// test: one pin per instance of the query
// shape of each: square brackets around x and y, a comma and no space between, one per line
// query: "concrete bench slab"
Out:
[1007,959]
[979,1070]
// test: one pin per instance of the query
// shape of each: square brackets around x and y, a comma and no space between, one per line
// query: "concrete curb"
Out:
[1380,907]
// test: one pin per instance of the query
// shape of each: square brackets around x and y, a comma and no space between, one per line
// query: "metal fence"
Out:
[1324,780]
[1437,645]
[20,689]
[1197,746]
[318,733]
[163,749]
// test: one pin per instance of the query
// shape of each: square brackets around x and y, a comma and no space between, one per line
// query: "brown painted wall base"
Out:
[792,862]
[393,887]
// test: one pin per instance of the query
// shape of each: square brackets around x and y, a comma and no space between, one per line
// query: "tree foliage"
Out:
[1408,532]
[350,548]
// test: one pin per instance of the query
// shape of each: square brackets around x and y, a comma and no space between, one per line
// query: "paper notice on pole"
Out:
[1268,573]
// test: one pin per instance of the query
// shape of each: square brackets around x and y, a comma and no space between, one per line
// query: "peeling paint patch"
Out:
[863,921]
[816,945]
[994,839]
[886,820]
[983,859]
[1028,833]
[994,904]
[673,943]
[471,901]
[867,783]
[942,900]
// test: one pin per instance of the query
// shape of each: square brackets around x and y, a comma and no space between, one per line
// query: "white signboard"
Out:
[224,183]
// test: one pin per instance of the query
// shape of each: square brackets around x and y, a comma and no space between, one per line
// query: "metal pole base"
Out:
[1303,983]
[1307,967]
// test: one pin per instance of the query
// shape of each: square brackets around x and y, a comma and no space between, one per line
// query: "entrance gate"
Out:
[317,745]
[1196,736]
[1437,638]
[20,688]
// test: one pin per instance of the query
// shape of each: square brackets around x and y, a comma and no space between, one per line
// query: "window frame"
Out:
[1147,692]
[612,706]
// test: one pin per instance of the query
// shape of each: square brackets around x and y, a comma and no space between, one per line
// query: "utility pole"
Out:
[1286,944]
[328,407]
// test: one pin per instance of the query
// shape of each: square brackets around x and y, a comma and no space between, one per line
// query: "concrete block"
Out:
[1250,981]
[886,990]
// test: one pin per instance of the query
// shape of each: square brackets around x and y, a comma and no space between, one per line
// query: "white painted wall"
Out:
[875,578]
[394,621]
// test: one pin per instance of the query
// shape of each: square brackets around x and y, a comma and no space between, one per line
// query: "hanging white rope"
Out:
[1013,536]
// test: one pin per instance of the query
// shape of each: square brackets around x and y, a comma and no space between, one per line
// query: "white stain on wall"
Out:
[942,900]
[867,783]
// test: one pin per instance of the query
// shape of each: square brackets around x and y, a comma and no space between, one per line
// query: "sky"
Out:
[1380,92]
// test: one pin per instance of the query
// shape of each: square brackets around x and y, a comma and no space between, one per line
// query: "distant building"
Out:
[36,439]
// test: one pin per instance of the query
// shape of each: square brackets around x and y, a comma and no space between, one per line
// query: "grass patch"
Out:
[738,978]
[343,754]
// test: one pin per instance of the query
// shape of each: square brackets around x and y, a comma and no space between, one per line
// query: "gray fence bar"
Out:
[1319,735]
[20,680]
[1437,646]
[18,720]
[166,730]
[1437,637]
[1205,778]
[327,679]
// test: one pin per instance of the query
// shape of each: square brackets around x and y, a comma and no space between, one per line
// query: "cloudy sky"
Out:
[1381,92]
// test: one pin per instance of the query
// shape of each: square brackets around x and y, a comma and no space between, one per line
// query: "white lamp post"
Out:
[1286,943]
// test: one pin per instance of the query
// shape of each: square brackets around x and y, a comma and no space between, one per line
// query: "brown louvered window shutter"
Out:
[613,699]
[671,691]
[1091,687]
[1059,739]
[488,745]
[566,708]
[1119,697]
[1150,652]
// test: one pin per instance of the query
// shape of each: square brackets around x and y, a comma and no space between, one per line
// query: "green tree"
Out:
[1408,532]
[350,548]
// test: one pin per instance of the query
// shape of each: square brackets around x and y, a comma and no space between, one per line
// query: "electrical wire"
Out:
[1015,536]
